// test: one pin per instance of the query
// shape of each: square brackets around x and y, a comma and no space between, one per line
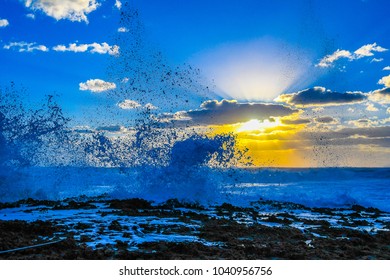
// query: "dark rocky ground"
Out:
[266,230]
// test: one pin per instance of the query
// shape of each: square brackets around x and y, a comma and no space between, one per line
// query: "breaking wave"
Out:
[41,156]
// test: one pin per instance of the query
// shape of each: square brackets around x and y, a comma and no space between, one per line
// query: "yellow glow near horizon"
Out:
[269,143]
[256,125]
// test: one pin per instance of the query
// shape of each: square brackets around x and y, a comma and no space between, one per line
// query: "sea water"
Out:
[312,187]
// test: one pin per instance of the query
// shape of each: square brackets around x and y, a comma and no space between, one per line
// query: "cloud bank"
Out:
[320,96]
[213,112]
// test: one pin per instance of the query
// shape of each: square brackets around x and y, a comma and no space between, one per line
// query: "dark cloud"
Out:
[84,131]
[366,136]
[380,142]
[319,96]
[110,128]
[384,91]
[297,121]
[370,132]
[325,119]
[214,112]
[379,136]
[344,133]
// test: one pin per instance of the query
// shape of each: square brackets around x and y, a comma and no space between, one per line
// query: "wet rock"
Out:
[134,203]
[115,225]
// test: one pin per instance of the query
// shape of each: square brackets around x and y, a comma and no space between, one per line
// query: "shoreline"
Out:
[138,229]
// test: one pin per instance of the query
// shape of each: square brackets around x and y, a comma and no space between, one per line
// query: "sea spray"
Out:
[44,158]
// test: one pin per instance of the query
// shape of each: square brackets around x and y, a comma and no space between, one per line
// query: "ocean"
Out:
[312,187]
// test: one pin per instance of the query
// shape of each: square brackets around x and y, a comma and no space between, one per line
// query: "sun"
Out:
[257,125]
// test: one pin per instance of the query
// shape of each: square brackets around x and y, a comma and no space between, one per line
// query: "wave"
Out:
[205,185]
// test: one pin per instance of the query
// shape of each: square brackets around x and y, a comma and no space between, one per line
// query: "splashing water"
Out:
[42,157]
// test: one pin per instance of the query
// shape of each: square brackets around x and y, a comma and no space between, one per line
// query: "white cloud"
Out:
[388,110]
[118,4]
[318,109]
[387,68]
[97,85]
[328,60]
[102,48]
[26,47]
[178,116]
[385,81]
[381,96]
[150,106]
[123,29]
[363,123]
[370,107]
[125,80]
[364,51]
[31,16]
[376,59]
[4,23]
[73,10]
[72,48]
[367,50]
[128,104]
[112,129]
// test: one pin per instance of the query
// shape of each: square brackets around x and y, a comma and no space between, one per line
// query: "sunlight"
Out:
[255,70]
[256,125]
[272,143]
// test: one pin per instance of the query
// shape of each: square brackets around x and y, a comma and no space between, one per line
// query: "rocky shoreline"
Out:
[138,229]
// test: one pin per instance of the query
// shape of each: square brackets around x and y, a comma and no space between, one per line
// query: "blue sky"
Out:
[186,30]
[249,51]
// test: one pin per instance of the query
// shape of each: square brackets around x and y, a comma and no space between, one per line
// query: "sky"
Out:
[301,83]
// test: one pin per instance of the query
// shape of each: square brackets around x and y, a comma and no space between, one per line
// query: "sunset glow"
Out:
[256,125]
